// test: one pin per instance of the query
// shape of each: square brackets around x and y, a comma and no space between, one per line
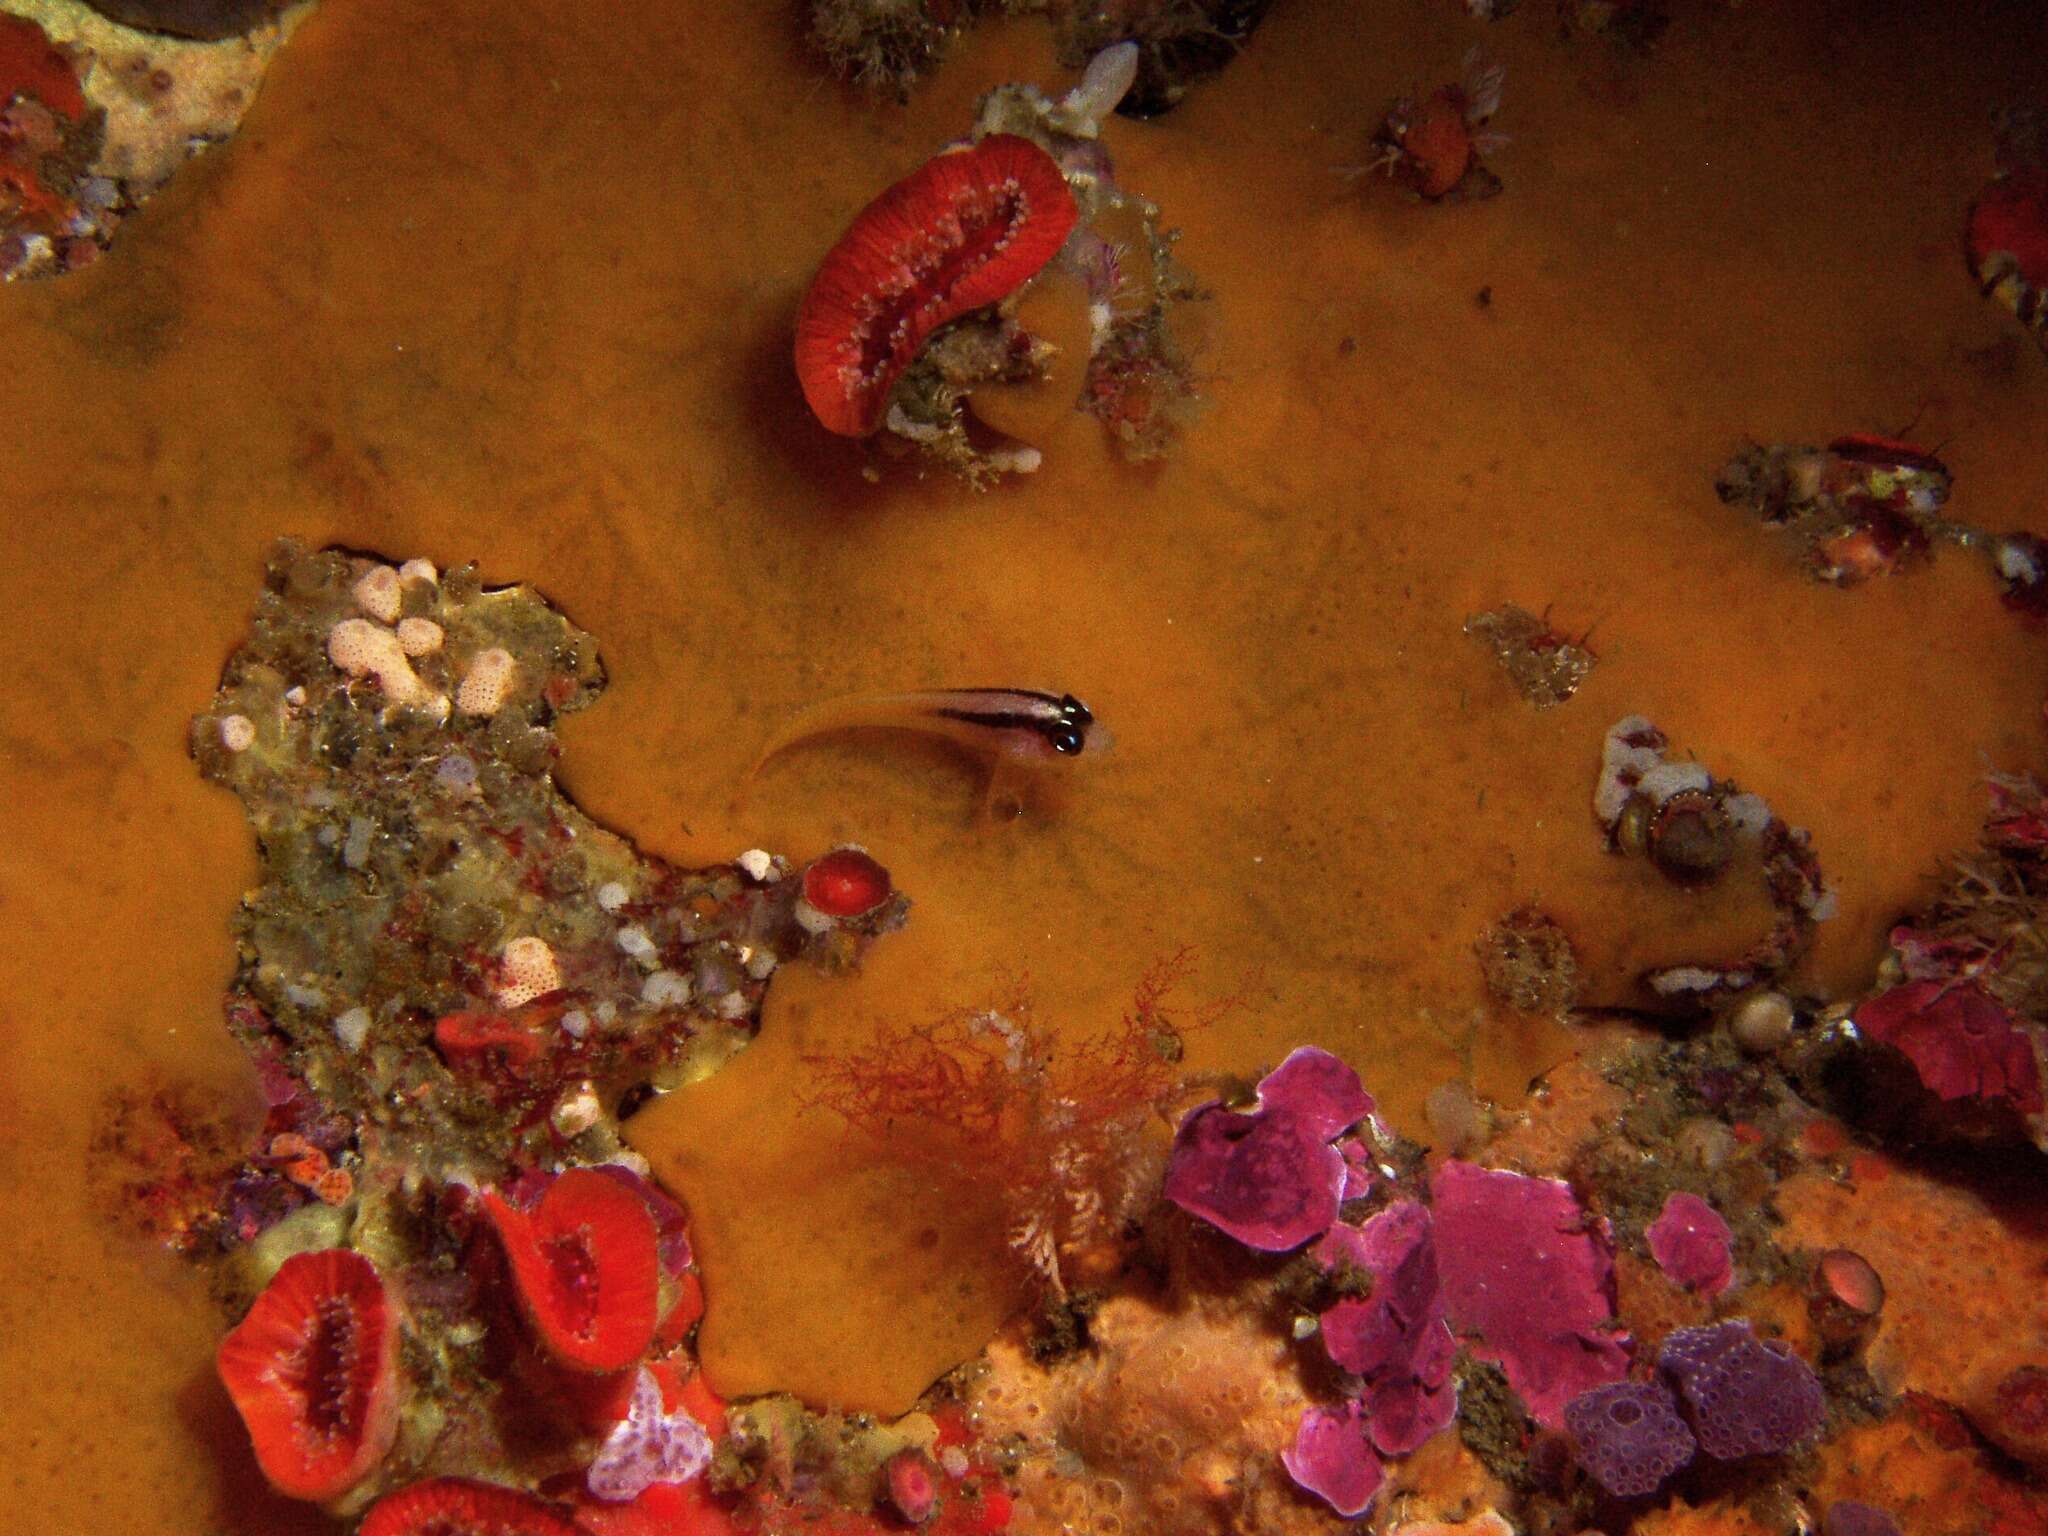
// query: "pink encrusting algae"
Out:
[1270,1178]
[1692,1244]
[1530,1278]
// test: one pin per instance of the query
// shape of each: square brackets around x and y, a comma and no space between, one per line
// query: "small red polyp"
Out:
[585,1264]
[313,1370]
[965,229]
[846,882]
[457,1506]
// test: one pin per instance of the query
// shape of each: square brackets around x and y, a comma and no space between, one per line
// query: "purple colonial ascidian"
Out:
[1744,1397]
[1629,1436]
[1270,1178]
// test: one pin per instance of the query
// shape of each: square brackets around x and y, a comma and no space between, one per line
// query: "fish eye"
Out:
[1074,712]
[1066,740]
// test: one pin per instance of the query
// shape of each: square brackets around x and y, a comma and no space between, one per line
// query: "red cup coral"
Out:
[586,1267]
[457,1506]
[313,1370]
[965,229]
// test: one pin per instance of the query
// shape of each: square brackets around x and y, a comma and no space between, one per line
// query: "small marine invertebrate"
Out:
[882,46]
[1629,1436]
[846,882]
[1743,1396]
[1269,1177]
[964,230]
[1546,667]
[1527,1274]
[2005,236]
[313,1371]
[650,1445]
[526,970]
[1436,147]
[585,1264]
[1692,1244]
[1330,1458]
[1962,1044]
[460,1506]
[487,683]
[362,648]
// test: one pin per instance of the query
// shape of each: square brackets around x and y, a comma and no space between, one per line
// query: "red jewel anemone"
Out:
[965,229]
[586,1267]
[846,882]
[313,1370]
[456,1506]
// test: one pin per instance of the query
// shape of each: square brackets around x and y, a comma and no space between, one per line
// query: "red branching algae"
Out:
[458,1506]
[1331,1459]
[313,1370]
[1961,1043]
[1524,1271]
[586,1267]
[1692,1244]
[1270,1178]
[966,229]
[846,882]
[1060,1131]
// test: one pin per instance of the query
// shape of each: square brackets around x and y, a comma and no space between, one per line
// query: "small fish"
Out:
[1002,726]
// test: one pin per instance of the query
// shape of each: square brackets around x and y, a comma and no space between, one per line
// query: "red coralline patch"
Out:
[313,1370]
[967,228]
[586,1267]
[1960,1042]
[457,1506]
[846,882]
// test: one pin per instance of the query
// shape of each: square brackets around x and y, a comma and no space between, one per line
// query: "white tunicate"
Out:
[761,964]
[758,864]
[487,683]
[419,637]
[352,1028]
[237,732]
[1107,80]
[577,1111]
[733,1005]
[575,1023]
[377,593]
[2016,563]
[954,1460]
[1747,813]
[634,941]
[419,570]
[363,649]
[529,971]
[303,997]
[611,896]
[665,989]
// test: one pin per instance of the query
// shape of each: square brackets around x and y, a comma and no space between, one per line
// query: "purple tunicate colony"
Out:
[1629,1436]
[1744,1397]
